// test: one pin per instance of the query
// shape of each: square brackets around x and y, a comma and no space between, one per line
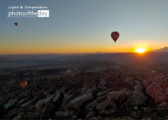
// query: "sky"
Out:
[85,26]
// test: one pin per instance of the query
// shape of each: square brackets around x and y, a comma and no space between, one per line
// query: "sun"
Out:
[140,50]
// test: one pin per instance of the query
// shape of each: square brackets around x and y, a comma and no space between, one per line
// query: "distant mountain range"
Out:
[165,49]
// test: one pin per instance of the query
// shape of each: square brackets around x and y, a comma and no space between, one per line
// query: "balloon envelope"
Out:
[115,35]
[16,23]
[23,84]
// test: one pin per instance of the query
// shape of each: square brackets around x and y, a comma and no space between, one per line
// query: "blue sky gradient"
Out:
[85,26]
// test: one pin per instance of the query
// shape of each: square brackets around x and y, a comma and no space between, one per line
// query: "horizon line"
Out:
[71,53]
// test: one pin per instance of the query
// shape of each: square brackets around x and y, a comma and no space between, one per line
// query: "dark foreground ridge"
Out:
[98,90]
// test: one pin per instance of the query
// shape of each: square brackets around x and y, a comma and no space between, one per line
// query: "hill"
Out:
[165,49]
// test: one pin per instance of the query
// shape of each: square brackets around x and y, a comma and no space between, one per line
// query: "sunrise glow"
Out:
[140,50]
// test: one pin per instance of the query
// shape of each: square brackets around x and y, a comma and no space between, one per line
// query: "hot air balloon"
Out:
[114,35]
[16,23]
[135,108]
[23,84]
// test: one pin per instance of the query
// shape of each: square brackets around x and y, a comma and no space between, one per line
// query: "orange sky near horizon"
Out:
[82,27]
[114,47]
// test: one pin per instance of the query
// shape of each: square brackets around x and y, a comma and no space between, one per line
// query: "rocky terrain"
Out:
[123,86]
[117,92]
